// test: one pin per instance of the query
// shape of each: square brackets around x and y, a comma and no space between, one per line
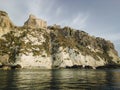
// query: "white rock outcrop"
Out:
[35,45]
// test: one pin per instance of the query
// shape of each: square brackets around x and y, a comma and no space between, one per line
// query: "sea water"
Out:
[60,79]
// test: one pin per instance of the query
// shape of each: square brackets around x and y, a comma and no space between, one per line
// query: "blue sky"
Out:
[97,17]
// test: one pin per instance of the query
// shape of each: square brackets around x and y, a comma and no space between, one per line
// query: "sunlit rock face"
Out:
[34,22]
[37,46]
[69,57]
[79,48]
[34,50]
[5,23]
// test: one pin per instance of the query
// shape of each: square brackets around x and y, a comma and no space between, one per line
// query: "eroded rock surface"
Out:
[37,46]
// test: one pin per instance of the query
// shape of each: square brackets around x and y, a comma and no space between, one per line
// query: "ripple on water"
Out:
[73,79]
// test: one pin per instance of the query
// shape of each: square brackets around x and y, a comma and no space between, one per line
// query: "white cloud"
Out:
[111,36]
[106,32]
[48,10]
[80,20]
[20,10]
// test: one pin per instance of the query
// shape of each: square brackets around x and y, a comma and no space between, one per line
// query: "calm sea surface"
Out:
[60,79]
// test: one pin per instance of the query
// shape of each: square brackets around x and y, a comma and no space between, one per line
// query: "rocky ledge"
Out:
[9,67]
[112,66]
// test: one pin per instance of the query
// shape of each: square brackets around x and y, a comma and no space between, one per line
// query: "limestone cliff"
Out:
[5,23]
[51,47]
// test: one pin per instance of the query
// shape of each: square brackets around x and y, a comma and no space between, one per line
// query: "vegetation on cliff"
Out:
[46,42]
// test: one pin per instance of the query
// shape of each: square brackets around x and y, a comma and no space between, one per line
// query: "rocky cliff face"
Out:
[53,47]
[5,23]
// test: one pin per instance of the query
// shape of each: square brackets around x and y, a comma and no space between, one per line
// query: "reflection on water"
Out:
[62,79]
